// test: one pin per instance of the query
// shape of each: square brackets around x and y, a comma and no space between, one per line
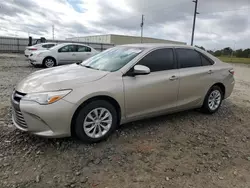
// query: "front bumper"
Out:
[53,120]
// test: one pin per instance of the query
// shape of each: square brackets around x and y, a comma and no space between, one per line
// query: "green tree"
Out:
[217,53]
[239,53]
[227,51]
[246,53]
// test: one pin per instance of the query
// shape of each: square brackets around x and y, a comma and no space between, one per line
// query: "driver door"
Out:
[155,93]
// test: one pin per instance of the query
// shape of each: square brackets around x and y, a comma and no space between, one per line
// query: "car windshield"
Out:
[112,59]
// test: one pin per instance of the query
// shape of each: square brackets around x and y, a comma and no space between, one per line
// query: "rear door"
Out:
[196,77]
[156,92]
[83,53]
[67,54]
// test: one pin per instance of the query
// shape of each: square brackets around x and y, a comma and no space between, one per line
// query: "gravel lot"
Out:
[187,149]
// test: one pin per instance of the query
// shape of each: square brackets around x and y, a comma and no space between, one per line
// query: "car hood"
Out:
[58,78]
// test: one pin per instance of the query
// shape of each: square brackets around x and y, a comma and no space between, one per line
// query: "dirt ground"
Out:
[187,149]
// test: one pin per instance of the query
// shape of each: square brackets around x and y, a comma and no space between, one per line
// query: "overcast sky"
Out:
[221,23]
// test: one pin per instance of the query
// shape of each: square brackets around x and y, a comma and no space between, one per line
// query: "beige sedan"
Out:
[120,85]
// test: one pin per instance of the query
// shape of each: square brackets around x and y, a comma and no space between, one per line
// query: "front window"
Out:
[112,59]
[159,60]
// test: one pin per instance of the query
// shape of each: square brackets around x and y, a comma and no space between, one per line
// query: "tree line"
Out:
[244,53]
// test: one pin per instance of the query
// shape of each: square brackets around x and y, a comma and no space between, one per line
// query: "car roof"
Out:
[67,43]
[73,43]
[40,44]
[156,45]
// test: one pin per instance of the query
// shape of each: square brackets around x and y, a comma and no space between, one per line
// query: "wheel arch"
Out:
[222,87]
[107,98]
[51,58]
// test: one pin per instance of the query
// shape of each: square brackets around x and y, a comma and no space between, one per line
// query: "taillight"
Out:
[231,71]
[33,49]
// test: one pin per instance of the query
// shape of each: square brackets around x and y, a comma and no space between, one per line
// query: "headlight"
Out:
[46,97]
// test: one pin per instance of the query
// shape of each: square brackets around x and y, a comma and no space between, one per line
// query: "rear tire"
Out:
[95,121]
[49,62]
[212,100]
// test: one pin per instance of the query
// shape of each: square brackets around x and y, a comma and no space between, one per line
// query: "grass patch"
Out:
[234,59]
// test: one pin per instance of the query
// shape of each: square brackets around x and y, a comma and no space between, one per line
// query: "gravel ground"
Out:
[187,149]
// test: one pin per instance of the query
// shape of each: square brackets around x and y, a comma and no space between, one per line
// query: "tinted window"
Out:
[88,49]
[83,49]
[48,45]
[68,48]
[159,60]
[206,61]
[188,58]
[44,46]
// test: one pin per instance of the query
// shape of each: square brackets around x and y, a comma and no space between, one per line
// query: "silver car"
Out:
[120,85]
[61,54]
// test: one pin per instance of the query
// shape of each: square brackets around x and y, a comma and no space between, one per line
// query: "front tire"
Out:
[95,121]
[213,100]
[49,62]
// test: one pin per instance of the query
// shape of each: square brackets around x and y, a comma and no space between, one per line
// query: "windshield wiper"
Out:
[87,66]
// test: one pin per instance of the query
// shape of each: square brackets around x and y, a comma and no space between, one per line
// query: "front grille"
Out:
[17,114]
[18,117]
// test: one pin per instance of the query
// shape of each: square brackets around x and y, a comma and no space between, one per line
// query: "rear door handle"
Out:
[210,72]
[172,78]
[73,54]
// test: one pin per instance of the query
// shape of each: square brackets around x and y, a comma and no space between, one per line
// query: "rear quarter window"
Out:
[206,60]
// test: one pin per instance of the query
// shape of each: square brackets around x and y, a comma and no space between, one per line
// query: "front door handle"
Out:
[210,72]
[73,54]
[172,78]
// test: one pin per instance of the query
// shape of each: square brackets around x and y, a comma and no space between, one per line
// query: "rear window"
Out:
[206,61]
[188,58]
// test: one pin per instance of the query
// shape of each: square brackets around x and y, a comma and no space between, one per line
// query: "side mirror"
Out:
[141,70]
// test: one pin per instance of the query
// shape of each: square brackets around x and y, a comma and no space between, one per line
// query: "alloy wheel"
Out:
[214,99]
[49,63]
[97,122]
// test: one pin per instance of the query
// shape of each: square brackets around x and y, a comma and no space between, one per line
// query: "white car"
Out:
[65,53]
[43,46]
